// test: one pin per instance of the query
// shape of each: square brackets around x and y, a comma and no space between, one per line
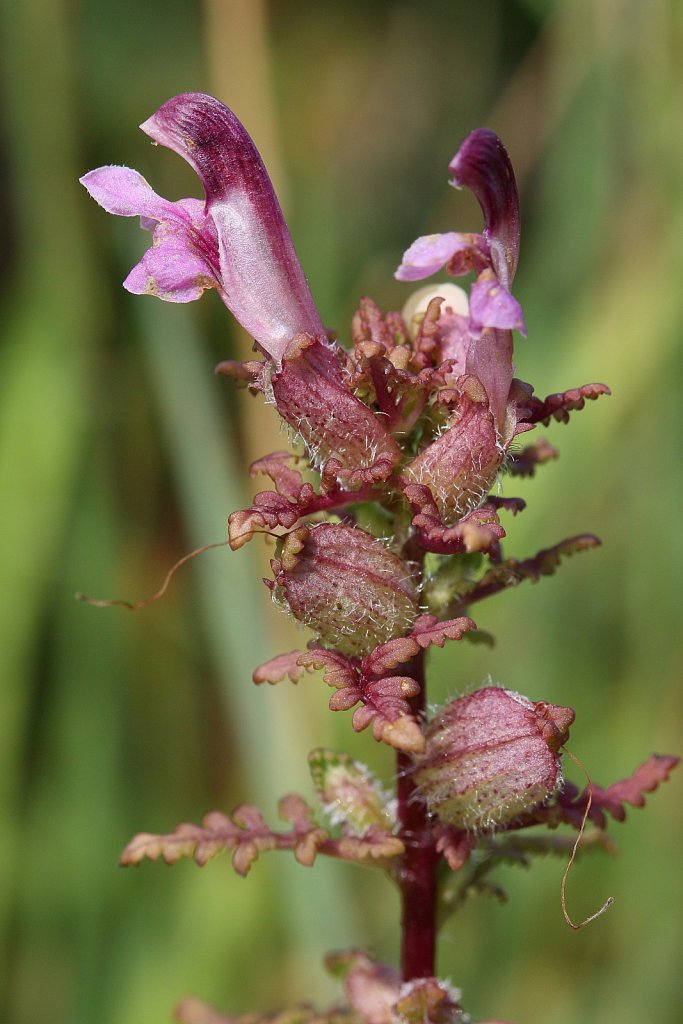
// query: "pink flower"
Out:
[482,165]
[236,241]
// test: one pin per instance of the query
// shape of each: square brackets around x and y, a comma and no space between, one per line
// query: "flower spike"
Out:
[387,530]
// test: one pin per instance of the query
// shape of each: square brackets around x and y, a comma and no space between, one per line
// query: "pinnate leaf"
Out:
[559,406]
[524,462]
[569,805]
[384,700]
[645,779]
[245,833]
[338,670]
[454,845]
[511,572]
[284,666]
[196,1011]
[269,511]
[278,466]
[426,630]
[479,530]
[398,730]
[376,844]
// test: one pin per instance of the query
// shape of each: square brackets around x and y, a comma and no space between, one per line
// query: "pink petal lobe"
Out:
[430,253]
[183,260]
[170,270]
[491,305]
[263,283]
[125,193]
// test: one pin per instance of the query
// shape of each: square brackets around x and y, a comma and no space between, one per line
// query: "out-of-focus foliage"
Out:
[119,451]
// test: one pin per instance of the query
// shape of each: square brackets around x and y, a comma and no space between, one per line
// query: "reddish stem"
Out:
[418,874]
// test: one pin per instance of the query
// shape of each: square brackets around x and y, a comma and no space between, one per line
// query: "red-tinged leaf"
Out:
[559,406]
[246,816]
[345,699]
[426,630]
[269,511]
[307,847]
[387,656]
[281,510]
[391,719]
[295,810]
[284,666]
[479,530]
[454,845]
[290,503]
[511,572]
[362,718]
[338,670]
[569,805]
[244,856]
[645,779]
[242,526]
[513,505]
[401,733]
[277,466]
[375,844]
[398,688]
[384,700]
[524,462]
[186,841]
[245,833]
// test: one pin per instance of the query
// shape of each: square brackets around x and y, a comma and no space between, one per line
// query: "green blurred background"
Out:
[119,451]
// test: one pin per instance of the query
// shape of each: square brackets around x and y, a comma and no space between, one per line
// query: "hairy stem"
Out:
[418,874]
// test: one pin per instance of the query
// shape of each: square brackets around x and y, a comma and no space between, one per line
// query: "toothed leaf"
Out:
[245,833]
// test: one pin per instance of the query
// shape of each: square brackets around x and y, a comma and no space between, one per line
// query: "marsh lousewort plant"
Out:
[417,416]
